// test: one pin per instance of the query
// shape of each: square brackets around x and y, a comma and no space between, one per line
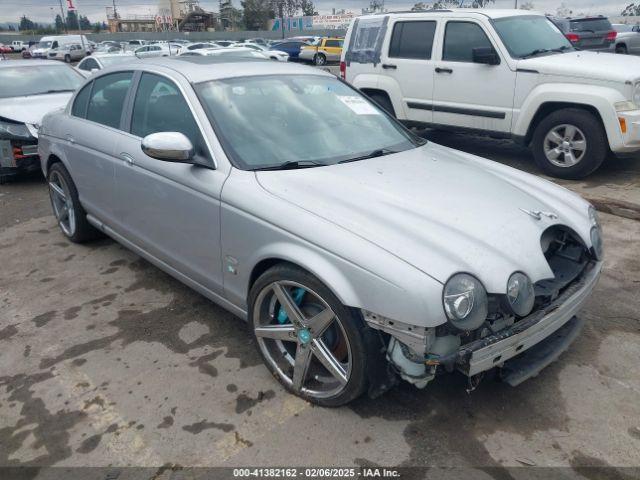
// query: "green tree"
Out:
[26,23]
[72,20]
[527,6]
[419,6]
[59,24]
[631,10]
[256,13]
[85,24]
[308,8]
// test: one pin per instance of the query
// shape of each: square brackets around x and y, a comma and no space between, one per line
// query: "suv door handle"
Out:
[443,70]
[70,139]
[388,66]
[127,158]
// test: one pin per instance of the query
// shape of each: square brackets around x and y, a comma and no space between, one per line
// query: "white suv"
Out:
[504,73]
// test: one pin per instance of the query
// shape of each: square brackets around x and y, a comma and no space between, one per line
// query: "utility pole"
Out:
[516,4]
[115,12]
[64,20]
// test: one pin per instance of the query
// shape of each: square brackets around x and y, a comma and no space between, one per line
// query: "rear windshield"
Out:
[591,25]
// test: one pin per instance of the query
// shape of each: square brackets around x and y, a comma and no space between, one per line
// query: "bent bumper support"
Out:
[521,340]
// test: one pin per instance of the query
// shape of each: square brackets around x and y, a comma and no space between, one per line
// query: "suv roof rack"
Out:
[431,10]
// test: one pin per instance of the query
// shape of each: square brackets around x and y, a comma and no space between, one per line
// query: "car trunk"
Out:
[592,33]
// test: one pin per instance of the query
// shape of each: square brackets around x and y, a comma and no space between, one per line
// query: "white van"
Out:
[46,44]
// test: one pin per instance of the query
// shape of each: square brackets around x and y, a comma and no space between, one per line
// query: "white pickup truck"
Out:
[504,73]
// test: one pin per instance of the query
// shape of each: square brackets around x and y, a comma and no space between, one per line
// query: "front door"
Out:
[407,62]
[468,94]
[170,210]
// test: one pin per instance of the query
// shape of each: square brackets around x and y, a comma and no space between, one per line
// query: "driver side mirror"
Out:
[486,56]
[168,147]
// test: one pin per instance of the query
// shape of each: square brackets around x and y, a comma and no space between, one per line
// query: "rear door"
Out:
[332,48]
[468,94]
[90,135]
[407,62]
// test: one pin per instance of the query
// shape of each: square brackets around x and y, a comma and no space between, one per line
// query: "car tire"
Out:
[320,59]
[347,332]
[621,49]
[64,198]
[384,102]
[67,58]
[580,141]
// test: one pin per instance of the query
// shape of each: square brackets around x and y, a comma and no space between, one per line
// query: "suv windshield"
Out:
[528,35]
[278,121]
[38,80]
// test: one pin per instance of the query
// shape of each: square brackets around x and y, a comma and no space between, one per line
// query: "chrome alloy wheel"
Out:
[62,203]
[302,339]
[565,145]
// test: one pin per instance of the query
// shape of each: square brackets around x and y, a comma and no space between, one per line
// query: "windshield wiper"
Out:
[539,51]
[380,152]
[62,90]
[292,165]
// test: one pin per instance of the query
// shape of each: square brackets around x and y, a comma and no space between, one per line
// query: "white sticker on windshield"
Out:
[359,105]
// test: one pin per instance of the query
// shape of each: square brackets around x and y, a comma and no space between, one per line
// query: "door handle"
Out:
[127,158]
[70,139]
[443,70]
[388,66]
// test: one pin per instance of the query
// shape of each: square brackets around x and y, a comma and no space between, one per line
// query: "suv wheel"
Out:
[569,143]
[70,215]
[311,343]
[319,59]
[622,49]
[67,58]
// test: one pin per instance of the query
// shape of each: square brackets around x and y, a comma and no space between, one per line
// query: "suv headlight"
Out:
[520,294]
[596,233]
[13,130]
[465,301]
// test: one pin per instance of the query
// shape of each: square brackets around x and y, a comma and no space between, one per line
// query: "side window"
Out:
[79,108]
[54,44]
[412,40]
[89,64]
[333,43]
[160,107]
[107,98]
[461,38]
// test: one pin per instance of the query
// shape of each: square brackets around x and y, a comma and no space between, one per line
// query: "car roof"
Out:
[197,69]
[30,63]
[463,12]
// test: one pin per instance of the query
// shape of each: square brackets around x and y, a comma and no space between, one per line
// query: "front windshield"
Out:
[44,44]
[38,80]
[526,35]
[268,121]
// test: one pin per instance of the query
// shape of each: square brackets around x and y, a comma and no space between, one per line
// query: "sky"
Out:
[45,10]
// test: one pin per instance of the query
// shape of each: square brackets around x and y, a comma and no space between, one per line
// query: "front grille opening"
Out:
[567,256]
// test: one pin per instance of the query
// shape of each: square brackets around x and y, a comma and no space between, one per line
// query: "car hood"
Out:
[439,210]
[584,64]
[31,109]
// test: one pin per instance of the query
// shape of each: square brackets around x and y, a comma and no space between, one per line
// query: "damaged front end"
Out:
[18,148]
[519,332]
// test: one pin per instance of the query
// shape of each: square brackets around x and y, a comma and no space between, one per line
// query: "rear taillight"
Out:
[343,70]
[611,36]
[573,37]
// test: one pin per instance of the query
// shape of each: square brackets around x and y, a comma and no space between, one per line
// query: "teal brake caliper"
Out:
[298,294]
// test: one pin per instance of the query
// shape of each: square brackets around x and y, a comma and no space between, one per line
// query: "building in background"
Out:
[317,22]
[171,15]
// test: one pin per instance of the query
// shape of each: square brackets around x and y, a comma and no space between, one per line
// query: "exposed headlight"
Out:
[520,294]
[465,301]
[18,130]
[596,233]
[625,106]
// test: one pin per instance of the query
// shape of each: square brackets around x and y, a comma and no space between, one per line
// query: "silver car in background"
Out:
[358,252]
[71,52]
[627,39]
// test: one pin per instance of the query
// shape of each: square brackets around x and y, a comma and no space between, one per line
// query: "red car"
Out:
[5,49]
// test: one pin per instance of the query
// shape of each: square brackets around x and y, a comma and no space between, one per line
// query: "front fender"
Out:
[599,97]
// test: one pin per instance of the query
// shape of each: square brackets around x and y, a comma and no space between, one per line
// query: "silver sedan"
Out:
[359,253]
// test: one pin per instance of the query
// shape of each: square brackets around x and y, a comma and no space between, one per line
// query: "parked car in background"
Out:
[48,43]
[270,53]
[29,90]
[290,47]
[97,62]
[323,51]
[627,40]
[71,52]
[158,50]
[199,45]
[503,73]
[5,48]
[456,263]
[18,46]
[226,43]
[230,52]
[137,43]
[587,33]
[259,41]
